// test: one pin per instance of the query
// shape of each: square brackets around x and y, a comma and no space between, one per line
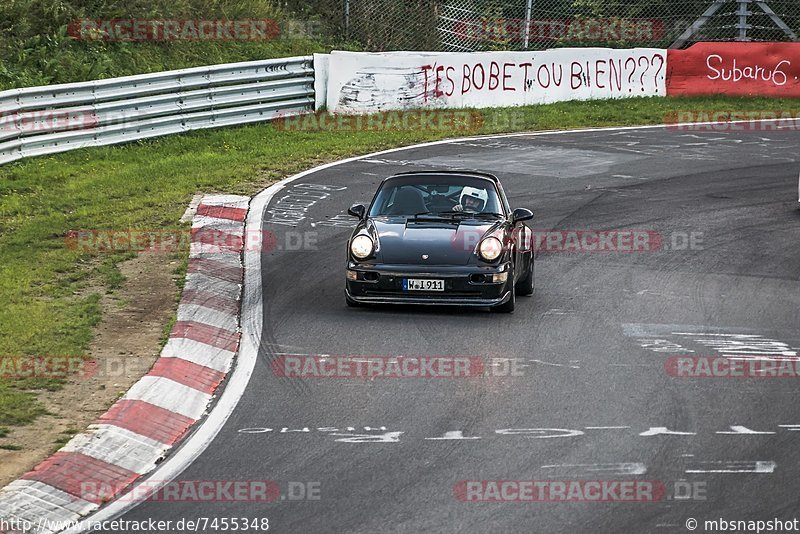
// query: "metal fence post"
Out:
[347,19]
[742,25]
[528,9]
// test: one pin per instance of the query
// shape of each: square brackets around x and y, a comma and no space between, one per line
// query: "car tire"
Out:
[508,307]
[526,285]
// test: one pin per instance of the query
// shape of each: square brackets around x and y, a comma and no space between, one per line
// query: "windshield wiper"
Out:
[455,214]
[425,215]
[472,214]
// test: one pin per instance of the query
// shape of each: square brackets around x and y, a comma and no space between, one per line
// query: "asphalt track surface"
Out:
[590,347]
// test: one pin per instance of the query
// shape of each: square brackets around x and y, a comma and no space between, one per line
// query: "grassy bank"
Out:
[50,292]
[38,47]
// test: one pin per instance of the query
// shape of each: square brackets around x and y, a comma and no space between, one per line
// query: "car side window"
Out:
[491,205]
[389,200]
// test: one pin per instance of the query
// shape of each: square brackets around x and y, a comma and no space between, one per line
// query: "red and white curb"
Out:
[136,433]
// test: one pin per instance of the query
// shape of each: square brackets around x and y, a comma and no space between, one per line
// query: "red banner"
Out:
[741,69]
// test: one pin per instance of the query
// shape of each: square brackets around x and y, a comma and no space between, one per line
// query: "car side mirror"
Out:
[357,210]
[521,214]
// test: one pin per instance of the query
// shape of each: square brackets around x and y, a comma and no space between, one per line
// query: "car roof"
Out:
[466,174]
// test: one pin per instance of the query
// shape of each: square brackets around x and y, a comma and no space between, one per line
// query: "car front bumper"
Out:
[383,284]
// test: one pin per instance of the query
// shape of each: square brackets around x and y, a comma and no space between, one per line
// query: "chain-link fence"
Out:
[474,25]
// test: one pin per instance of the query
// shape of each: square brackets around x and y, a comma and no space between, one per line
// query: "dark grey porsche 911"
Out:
[440,237]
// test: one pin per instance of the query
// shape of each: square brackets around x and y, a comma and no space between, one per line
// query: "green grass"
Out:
[17,407]
[36,48]
[147,185]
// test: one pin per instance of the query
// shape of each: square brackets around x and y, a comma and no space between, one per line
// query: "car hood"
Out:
[444,242]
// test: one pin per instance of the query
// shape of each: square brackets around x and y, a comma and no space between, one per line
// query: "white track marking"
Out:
[118,446]
[209,316]
[41,501]
[210,284]
[662,430]
[554,364]
[454,434]
[192,208]
[738,429]
[611,469]
[735,467]
[388,437]
[199,353]
[234,201]
[216,223]
[170,395]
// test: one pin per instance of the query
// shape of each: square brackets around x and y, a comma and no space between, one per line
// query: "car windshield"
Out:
[420,195]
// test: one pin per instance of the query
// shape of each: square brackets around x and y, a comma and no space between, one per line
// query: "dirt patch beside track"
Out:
[127,342]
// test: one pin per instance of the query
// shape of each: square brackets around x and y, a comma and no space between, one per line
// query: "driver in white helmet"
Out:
[472,199]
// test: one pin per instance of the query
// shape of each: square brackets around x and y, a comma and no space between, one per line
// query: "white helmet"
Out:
[473,199]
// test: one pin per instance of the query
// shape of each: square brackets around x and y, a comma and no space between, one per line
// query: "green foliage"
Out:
[380,25]
[36,48]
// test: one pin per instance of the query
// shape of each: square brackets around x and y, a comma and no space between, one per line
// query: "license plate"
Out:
[410,284]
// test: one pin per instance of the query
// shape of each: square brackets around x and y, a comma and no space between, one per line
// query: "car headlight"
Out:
[362,247]
[490,249]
